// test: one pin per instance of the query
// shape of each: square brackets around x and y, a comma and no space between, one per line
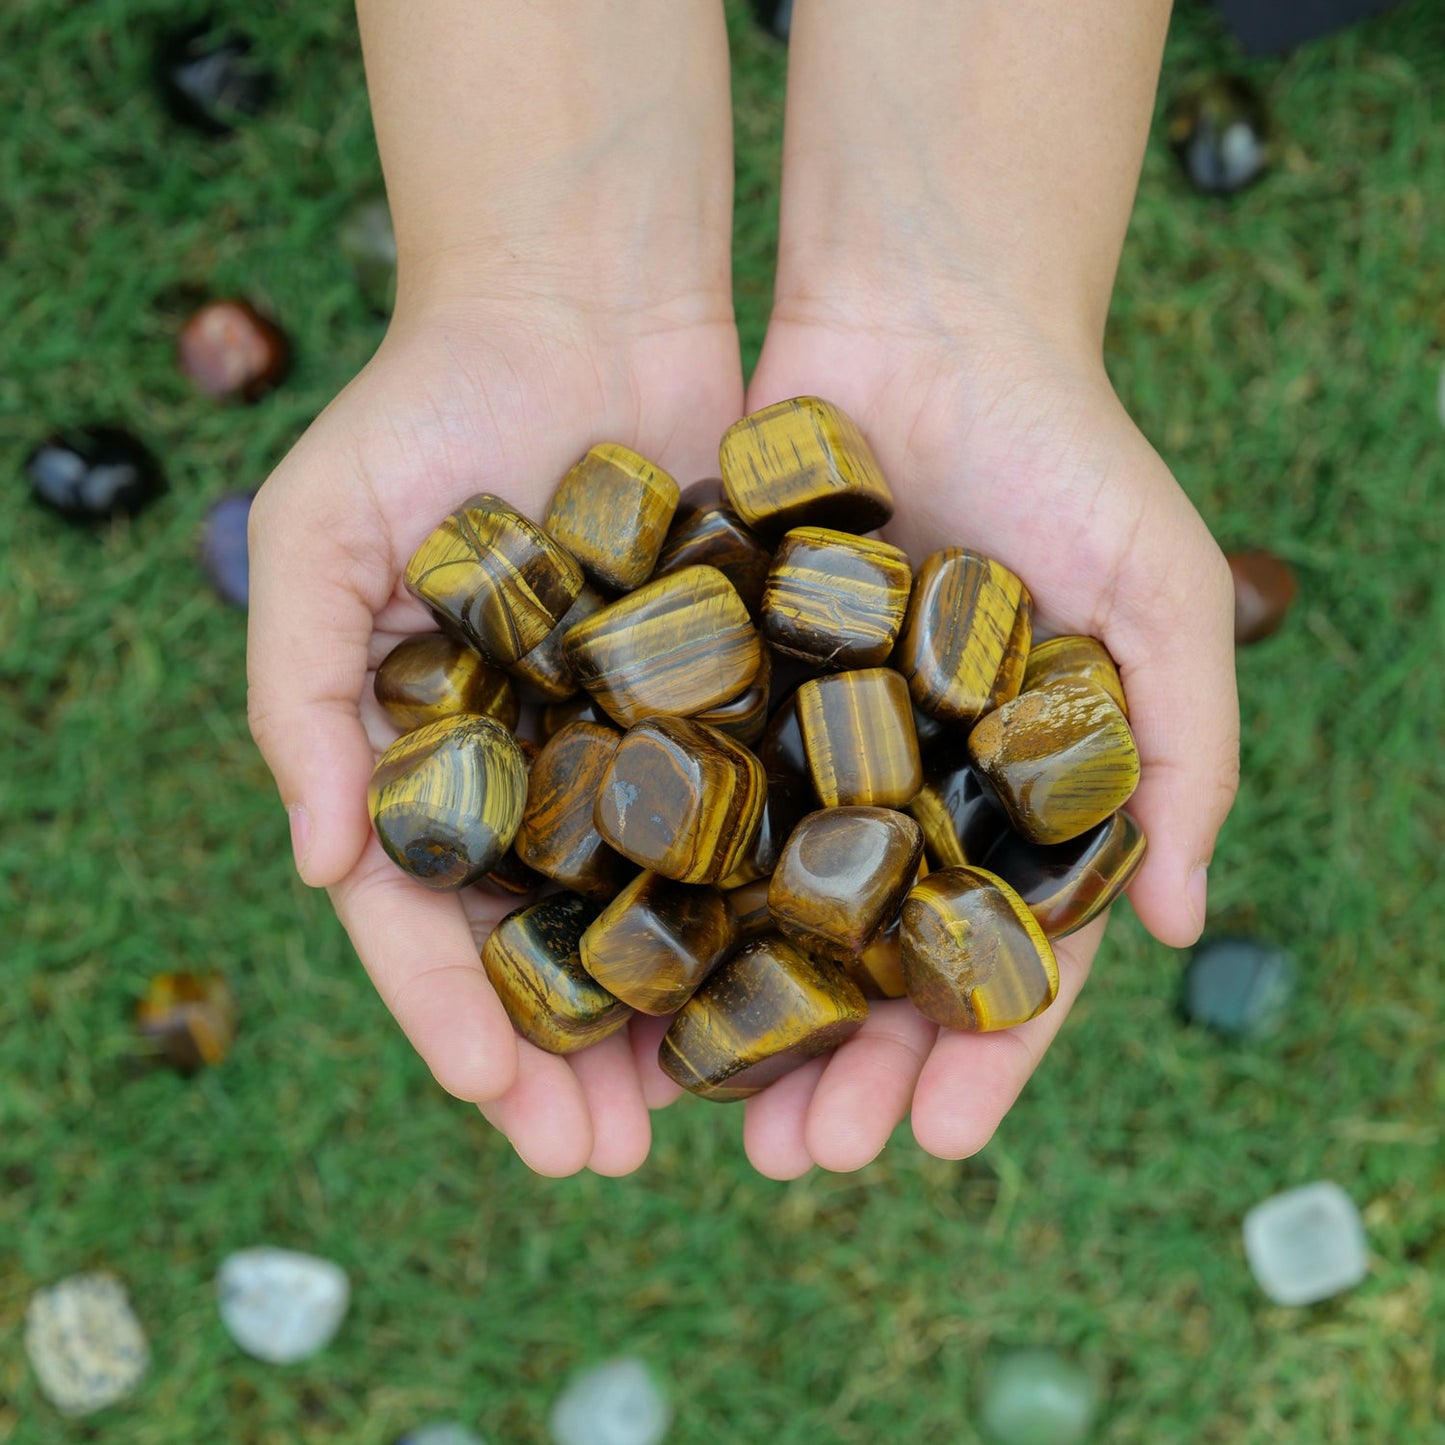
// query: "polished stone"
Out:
[224,554]
[800,463]
[1085,659]
[966,638]
[834,599]
[748,905]
[446,799]
[842,876]
[441,1432]
[787,803]
[677,646]
[780,749]
[494,578]
[745,716]
[230,352]
[1037,1397]
[612,512]
[858,736]
[280,1305]
[974,957]
[1220,133]
[656,942]
[557,835]
[618,1402]
[543,673]
[1060,758]
[188,1020]
[1067,885]
[1239,987]
[554,716]
[1306,1244]
[765,1012]
[85,1344]
[878,969]
[368,242]
[511,874]
[960,816]
[1264,591]
[707,532]
[432,676]
[533,960]
[94,473]
[681,799]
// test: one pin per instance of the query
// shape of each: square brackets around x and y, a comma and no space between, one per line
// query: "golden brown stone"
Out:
[187,1019]
[447,798]
[494,578]
[748,905]
[612,512]
[834,599]
[1264,592]
[557,836]
[1085,659]
[780,749]
[966,637]
[1061,758]
[543,672]
[707,532]
[532,959]
[762,1014]
[788,801]
[959,814]
[552,718]
[858,735]
[878,970]
[803,463]
[657,940]
[431,676]
[744,718]
[677,646]
[681,799]
[511,875]
[974,957]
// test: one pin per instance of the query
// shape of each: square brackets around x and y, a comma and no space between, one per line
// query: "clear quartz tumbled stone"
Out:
[616,1403]
[1306,1244]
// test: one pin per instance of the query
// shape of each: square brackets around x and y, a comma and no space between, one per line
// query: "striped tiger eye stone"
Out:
[744,718]
[835,599]
[494,578]
[780,749]
[1067,885]
[612,512]
[552,718]
[656,942]
[680,799]
[446,799]
[974,957]
[187,1019]
[426,678]
[878,970]
[787,803]
[858,734]
[1083,658]
[557,836]
[960,816]
[965,640]
[748,905]
[1061,759]
[842,876]
[533,960]
[765,1012]
[511,875]
[679,645]
[543,672]
[707,532]
[800,463]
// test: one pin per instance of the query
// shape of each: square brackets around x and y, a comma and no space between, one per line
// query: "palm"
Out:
[447,409]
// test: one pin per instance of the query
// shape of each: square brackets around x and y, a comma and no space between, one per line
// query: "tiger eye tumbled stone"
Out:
[657,940]
[780,750]
[533,960]
[744,718]
[835,599]
[681,799]
[842,875]
[1066,885]
[447,798]
[511,875]
[707,532]
[1061,759]
[612,512]
[800,463]
[748,905]
[974,957]
[554,716]
[858,735]
[543,672]
[1083,658]
[959,814]
[679,645]
[878,969]
[188,1019]
[966,637]
[431,676]
[557,836]
[787,803]
[765,1012]
[494,578]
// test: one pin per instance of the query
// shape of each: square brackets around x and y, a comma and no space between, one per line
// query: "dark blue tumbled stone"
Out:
[223,548]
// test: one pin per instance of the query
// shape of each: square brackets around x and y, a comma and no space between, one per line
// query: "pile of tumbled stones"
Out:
[919,815]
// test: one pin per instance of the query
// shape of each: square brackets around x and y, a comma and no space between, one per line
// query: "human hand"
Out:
[461,398]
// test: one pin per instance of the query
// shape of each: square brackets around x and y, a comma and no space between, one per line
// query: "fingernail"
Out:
[1199,894]
[300,835]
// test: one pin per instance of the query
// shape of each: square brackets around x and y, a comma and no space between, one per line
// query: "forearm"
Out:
[947,153]
[580,149]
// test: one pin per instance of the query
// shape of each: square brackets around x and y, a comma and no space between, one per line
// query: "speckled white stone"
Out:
[280,1305]
[85,1344]
[615,1403]
[1306,1244]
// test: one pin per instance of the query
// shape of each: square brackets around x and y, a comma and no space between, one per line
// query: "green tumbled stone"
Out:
[1037,1397]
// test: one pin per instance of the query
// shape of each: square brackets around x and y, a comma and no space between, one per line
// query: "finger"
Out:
[867,1087]
[970,1081]
[421,955]
[1176,660]
[621,1127]
[313,595]
[658,1090]
[544,1114]
[775,1122]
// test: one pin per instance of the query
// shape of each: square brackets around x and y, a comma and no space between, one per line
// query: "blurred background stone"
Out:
[1306,1244]
[86,1345]
[281,1305]
[615,1403]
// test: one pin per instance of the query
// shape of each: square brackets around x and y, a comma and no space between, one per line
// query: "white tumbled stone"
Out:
[1306,1244]
[281,1305]
[85,1344]
[615,1403]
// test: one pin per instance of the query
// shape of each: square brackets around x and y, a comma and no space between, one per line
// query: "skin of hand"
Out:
[563,232]
[939,298]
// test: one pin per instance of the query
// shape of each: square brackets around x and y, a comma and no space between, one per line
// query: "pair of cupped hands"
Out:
[996,434]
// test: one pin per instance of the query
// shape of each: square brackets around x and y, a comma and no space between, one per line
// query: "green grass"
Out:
[1283,351]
